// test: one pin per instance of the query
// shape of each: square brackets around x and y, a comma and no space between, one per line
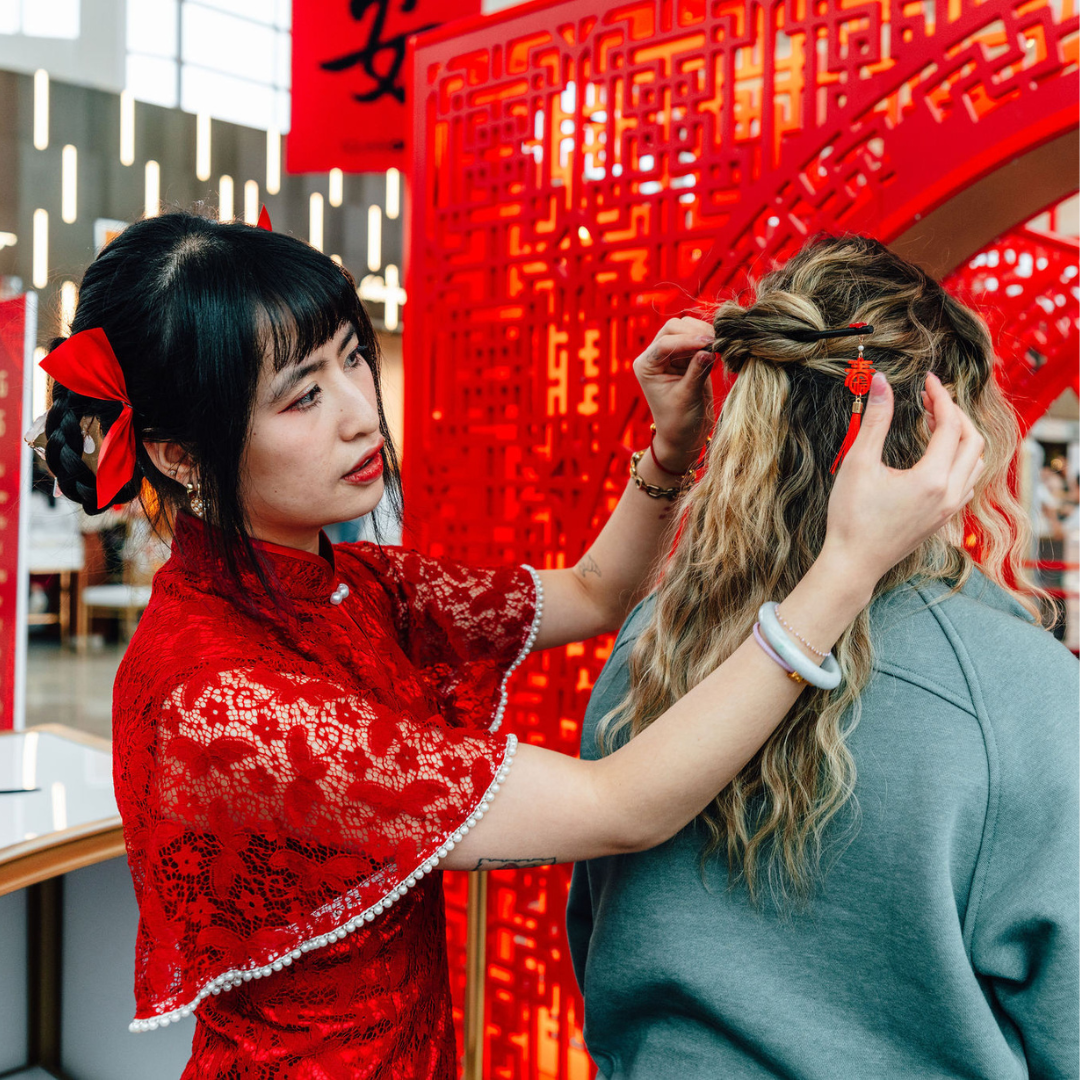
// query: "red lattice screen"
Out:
[1026,284]
[582,170]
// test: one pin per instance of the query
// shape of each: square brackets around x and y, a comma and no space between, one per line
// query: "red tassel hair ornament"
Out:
[857,378]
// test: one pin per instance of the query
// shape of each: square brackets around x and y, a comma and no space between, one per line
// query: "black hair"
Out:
[192,307]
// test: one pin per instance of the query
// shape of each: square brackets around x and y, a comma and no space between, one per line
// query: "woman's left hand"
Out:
[674,376]
[879,515]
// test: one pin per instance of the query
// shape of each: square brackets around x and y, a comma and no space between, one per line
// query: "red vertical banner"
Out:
[18,326]
[349,79]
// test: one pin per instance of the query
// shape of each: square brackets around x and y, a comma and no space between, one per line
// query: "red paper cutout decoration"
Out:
[570,162]
[17,324]
[1026,285]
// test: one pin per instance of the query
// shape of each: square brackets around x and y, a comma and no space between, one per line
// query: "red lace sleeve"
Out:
[465,629]
[285,812]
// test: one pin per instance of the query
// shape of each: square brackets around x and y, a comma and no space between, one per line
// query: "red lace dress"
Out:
[289,785]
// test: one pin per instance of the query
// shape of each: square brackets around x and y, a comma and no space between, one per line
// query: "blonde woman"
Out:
[889,887]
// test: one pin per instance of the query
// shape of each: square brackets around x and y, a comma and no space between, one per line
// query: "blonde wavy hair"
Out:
[756,521]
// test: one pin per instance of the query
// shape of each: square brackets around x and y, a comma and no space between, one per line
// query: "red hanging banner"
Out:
[18,325]
[349,79]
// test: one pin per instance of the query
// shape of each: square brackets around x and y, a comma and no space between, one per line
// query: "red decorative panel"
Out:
[1026,285]
[581,171]
[18,329]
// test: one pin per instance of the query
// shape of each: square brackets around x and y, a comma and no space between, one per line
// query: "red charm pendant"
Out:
[858,375]
[857,378]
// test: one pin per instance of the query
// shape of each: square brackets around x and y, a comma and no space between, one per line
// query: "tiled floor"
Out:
[64,688]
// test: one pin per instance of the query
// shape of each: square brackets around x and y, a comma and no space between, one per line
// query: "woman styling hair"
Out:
[304,733]
[902,893]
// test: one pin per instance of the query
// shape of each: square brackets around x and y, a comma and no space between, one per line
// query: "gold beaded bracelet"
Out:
[654,491]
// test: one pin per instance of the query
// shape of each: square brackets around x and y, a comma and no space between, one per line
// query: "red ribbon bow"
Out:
[87,365]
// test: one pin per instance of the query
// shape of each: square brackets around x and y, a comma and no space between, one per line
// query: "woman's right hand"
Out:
[877,515]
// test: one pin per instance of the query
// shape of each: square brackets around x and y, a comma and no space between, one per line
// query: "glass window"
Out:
[226,97]
[151,27]
[10,16]
[234,56]
[283,74]
[152,79]
[284,111]
[226,43]
[256,10]
[51,18]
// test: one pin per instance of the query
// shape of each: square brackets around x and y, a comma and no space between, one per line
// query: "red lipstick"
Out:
[367,469]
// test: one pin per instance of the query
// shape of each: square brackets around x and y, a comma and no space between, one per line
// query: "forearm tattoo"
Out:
[588,566]
[514,864]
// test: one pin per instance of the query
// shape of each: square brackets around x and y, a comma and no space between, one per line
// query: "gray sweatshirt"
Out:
[943,940]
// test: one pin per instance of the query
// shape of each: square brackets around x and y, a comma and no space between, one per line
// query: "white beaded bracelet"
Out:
[825,677]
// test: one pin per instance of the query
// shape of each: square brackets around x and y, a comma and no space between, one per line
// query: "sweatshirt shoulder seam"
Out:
[993,799]
[924,682]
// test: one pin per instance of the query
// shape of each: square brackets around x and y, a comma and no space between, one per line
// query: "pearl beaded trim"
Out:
[235,977]
[340,593]
[530,640]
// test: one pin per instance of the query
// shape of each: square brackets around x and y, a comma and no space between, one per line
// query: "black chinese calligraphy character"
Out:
[386,81]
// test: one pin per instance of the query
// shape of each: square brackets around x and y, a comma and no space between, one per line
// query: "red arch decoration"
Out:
[1026,284]
[580,171]
[894,147]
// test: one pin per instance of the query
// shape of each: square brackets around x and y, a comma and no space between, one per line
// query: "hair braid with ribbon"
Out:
[87,365]
[64,451]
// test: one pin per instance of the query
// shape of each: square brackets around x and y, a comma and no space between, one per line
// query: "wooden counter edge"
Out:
[59,853]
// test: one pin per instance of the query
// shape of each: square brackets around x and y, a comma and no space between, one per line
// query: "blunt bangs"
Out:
[301,298]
